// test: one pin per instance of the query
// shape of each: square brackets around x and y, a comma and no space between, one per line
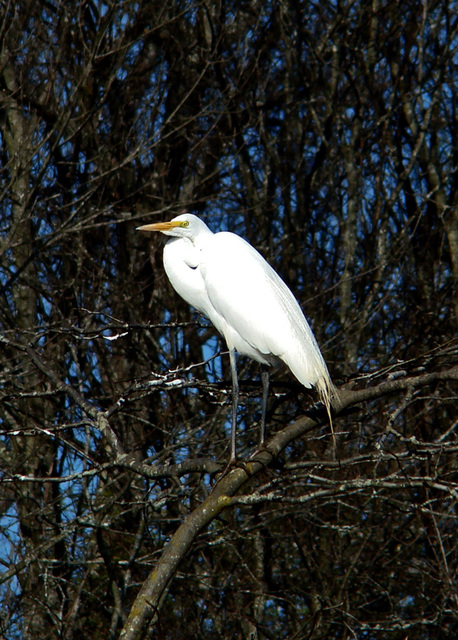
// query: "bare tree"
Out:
[326,134]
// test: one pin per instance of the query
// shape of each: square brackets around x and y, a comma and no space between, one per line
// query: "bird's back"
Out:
[257,313]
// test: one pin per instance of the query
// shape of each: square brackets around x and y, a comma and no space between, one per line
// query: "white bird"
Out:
[229,282]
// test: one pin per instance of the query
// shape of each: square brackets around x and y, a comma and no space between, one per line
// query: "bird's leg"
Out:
[265,394]
[235,402]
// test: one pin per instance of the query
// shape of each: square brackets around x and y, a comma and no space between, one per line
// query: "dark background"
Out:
[325,133]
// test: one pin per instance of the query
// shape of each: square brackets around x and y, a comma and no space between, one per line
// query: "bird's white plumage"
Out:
[257,313]
[227,280]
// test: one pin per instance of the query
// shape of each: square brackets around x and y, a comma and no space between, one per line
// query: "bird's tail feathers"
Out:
[327,392]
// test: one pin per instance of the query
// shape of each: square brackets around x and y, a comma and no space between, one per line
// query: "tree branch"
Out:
[146,605]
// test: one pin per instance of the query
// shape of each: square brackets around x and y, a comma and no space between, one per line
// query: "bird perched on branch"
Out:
[223,277]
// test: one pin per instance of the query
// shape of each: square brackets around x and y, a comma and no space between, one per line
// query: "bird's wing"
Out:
[256,305]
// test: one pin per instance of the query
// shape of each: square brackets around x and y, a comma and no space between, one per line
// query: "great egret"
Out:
[229,282]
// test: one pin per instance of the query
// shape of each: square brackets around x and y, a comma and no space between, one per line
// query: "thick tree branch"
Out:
[147,603]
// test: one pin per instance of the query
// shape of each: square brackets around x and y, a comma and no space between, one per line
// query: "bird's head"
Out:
[184,226]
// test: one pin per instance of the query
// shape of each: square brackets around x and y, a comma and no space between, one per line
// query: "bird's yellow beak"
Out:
[161,226]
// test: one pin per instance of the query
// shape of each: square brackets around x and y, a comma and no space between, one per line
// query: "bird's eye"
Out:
[185,223]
